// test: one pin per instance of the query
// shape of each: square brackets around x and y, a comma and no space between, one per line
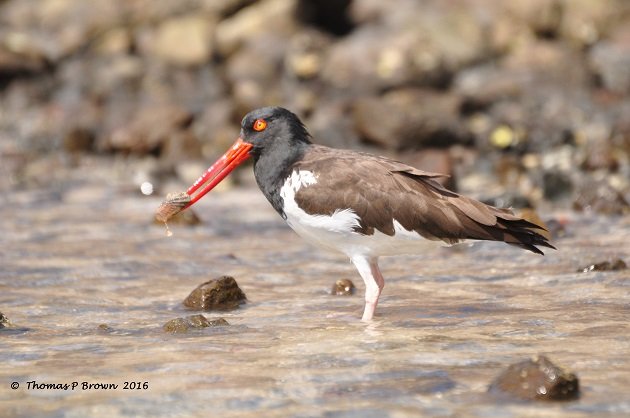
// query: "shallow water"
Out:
[450,319]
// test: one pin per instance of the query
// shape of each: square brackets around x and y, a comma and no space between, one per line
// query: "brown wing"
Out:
[380,190]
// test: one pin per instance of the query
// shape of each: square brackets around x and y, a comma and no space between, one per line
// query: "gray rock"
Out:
[557,185]
[331,123]
[257,85]
[610,59]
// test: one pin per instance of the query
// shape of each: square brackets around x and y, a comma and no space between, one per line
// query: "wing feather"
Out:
[381,191]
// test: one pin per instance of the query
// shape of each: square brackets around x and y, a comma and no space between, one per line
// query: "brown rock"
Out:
[149,129]
[182,325]
[343,287]
[485,84]
[78,140]
[610,59]
[113,42]
[600,155]
[585,22]
[548,61]
[4,321]
[104,329]
[181,145]
[217,294]
[332,126]
[386,54]
[219,322]
[601,197]
[608,265]
[543,17]
[183,40]
[305,55]
[215,128]
[410,118]
[257,85]
[176,325]
[536,379]
[254,20]
[21,59]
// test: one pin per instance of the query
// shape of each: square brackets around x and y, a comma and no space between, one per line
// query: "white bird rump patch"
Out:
[337,232]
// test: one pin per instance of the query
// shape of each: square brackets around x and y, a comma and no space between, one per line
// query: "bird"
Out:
[361,205]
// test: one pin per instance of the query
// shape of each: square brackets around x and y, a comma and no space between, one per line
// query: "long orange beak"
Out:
[238,153]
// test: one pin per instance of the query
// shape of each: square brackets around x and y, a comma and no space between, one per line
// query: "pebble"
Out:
[343,287]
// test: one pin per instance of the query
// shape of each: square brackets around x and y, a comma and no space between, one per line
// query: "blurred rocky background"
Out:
[523,103]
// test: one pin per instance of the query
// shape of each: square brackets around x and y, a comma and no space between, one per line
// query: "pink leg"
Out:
[374,283]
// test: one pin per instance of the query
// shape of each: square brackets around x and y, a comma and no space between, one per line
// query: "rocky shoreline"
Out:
[528,103]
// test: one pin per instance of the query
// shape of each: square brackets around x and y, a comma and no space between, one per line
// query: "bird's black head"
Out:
[272,128]
[275,138]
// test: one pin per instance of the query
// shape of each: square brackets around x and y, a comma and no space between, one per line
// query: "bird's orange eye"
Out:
[260,125]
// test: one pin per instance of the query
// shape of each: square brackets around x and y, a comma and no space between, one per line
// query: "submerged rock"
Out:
[601,197]
[343,287]
[608,265]
[219,322]
[536,379]
[217,294]
[104,327]
[180,325]
[4,321]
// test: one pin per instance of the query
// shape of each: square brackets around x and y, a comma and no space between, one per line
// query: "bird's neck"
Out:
[272,168]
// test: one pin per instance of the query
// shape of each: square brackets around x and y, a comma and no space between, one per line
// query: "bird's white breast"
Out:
[336,232]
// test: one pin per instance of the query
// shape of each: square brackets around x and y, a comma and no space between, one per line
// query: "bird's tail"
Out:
[522,233]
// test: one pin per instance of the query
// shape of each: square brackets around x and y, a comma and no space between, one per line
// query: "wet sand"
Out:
[450,319]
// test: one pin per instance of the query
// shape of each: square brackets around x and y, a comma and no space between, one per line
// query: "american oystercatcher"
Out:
[358,204]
